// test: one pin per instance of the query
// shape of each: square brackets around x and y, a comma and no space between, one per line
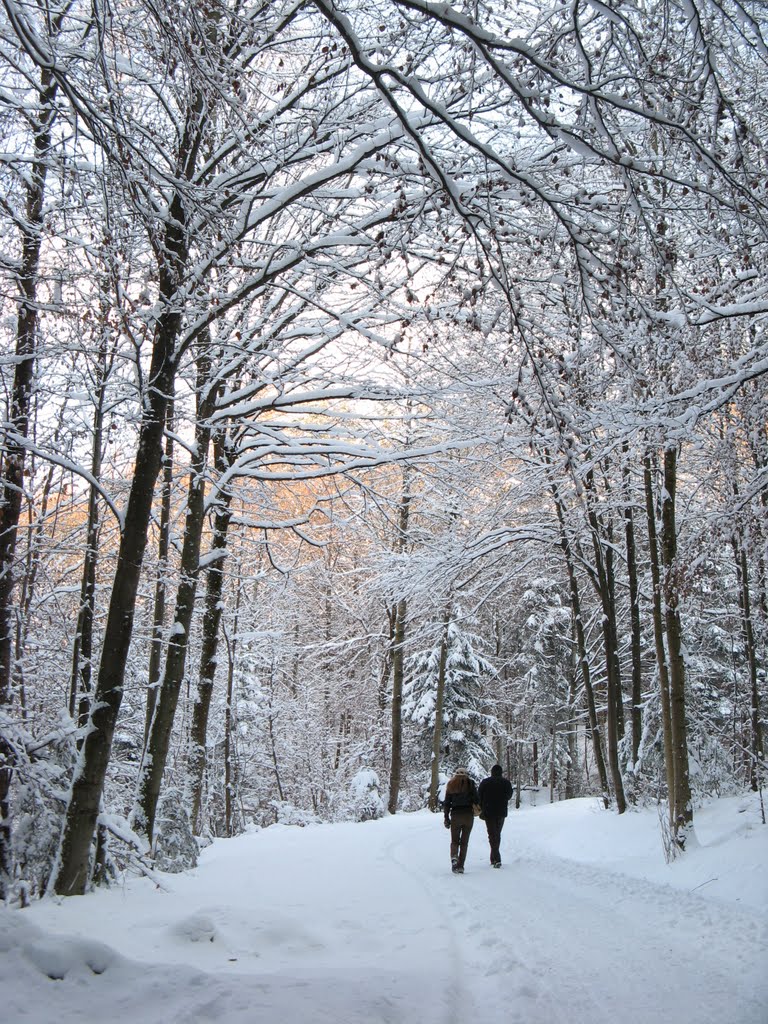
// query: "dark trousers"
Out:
[494,826]
[461,826]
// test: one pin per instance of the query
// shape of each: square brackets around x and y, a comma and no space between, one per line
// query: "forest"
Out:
[384,392]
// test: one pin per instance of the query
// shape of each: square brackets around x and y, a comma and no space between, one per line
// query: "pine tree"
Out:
[464,726]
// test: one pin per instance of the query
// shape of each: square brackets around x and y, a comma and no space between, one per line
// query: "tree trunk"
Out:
[603,580]
[398,656]
[570,778]
[552,766]
[273,755]
[13,456]
[229,773]
[398,672]
[682,817]
[386,663]
[518,774]
[613,702]
[658,629]
[581,646]
[610,580]
[434,784]
[71,876]
[158,742]
[172,253]
[210,640]
[82,647]
[634,618]
[748,634]
[163,546]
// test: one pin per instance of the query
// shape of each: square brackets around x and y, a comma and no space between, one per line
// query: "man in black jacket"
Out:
[495,793]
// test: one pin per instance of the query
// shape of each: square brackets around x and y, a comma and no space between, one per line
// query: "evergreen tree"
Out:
[465,727]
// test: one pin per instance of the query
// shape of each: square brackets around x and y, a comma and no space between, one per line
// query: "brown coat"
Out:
[460,795]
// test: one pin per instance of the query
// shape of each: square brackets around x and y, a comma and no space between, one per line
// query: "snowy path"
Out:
[365,924]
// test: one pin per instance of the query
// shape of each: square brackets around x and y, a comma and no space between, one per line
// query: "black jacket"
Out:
[495,793]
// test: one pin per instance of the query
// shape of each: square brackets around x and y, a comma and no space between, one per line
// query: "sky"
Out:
[350,923]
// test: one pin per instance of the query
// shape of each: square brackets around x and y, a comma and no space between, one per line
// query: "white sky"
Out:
[365,924]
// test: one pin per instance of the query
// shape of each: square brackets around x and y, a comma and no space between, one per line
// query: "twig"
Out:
[715,879]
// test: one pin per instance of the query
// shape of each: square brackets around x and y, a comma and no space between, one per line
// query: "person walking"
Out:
[495,793]
[459,815]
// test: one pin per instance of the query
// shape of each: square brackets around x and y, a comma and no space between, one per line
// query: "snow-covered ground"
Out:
[365,924]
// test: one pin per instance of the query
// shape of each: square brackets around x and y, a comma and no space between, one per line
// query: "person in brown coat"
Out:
[459,816]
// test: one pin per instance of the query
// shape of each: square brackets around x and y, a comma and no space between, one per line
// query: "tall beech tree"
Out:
[158,739]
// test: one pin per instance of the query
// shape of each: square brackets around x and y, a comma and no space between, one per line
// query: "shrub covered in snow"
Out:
[287,813]
[41,784]
[175,847]
[365,800]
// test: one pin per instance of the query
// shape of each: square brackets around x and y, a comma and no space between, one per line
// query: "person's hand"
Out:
[446,823]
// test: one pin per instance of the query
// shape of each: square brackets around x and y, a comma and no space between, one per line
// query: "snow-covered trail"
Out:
[547,940]
[365,924]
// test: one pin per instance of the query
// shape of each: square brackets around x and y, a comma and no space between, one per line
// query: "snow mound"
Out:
[79,956]
[195,928]
[49,955]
